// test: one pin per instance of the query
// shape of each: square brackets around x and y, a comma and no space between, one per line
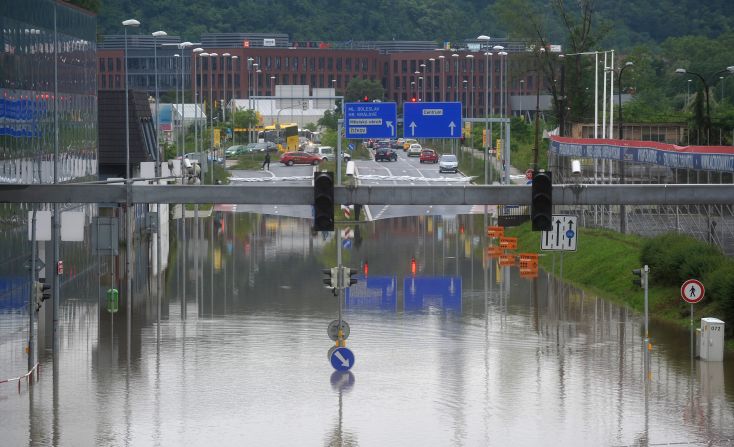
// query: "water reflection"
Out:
[474,355]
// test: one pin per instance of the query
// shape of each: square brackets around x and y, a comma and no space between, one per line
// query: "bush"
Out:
[720,289]
[674,258]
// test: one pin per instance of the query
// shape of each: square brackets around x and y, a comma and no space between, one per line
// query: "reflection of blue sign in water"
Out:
[375,292]
[342,359]
[347,243]
[422,292]
[432,120]
[370,119]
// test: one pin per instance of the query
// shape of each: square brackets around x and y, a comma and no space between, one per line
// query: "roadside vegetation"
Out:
[605,259]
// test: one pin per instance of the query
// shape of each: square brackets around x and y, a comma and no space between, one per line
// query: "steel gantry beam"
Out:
[369,195]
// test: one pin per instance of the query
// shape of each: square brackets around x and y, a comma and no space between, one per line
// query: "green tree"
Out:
[245,119]
[357,89]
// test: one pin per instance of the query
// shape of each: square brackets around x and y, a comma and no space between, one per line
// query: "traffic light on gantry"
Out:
[541,208]
[323,201]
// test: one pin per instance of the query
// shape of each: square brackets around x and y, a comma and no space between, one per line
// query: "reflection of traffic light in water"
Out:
[412,266]
[365,268]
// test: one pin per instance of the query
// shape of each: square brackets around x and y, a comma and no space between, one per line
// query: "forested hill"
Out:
[628,22]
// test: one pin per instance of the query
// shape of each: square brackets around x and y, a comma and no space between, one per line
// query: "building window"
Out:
[103,81]
[321,63]
[101,64]
[110,66]
[312,64]
[348,64]
[330,63]
[339,64]
[404,66]
[397,81]
[313,80]
[295,64]
[214,63]
[118,62]
[277,62]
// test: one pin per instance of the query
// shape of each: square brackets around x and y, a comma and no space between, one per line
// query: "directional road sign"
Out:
[432,120]
[692,291]
[370,119]
[562,237]
[342,359]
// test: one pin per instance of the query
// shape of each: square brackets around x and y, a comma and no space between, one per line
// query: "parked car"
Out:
[234,151]
[414,150]
[386,154]
[448,163]
[300,158]
[429,156]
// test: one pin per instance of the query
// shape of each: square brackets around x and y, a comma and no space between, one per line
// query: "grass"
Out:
[603,265]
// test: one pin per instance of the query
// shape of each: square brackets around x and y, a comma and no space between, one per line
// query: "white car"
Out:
[448,163]
[414,150]
[326,152]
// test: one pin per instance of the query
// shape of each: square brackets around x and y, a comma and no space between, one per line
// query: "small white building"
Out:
[291,104]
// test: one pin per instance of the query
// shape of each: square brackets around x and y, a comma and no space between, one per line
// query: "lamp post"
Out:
[423,84]
[522,94]
[456,84]
[422,88]
[194,53]
[183,46]
[249,81]
[470,86]
[442,68]
[234,58]
[465,98]
[225,57]
[433,78]
[416,92]
[272,85]
[128,211]
[707,121]
[622,209]
[211,108]
[202,56]
[157,100]
[487,137]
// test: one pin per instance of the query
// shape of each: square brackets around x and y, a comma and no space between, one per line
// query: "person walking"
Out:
[266,161]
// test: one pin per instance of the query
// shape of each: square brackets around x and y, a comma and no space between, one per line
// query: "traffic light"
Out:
[323,197]
[41,293]
[331,277]
[366,99]
[347,279]
[413,99]
[365,269]
[541,209]
[641,275]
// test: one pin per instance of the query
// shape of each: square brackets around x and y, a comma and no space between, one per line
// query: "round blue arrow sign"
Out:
[570,234]
[342,359]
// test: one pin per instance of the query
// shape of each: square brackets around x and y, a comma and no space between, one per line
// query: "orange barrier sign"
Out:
[507,260]
[495,232]
[494,252]
[508,243]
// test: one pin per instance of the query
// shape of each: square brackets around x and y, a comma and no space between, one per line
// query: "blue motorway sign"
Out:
[370,119]
[422,292]
[432,120]
[373,292]
[342,359]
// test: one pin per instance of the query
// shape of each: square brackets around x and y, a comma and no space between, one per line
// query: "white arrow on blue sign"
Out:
[432,120]
[342,359]
[370,119]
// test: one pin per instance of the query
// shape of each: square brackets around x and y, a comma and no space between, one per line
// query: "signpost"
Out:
[370,119]
[562,237]
[692,291]
[341,358]
[335,327]
[432,120]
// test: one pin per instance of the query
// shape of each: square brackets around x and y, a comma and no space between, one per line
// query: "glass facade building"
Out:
[32,74]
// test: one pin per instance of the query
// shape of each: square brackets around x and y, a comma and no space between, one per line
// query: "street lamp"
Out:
[707,121]
[250,60]
[456,63]
[622,209]
[201,71]
[441,68]
[272,85]
[194,52]
[211,105]
[465,99]
[433,78]
[126,24]
[156,35]
[487,134]
[128,210]
[224,87]
[471,85]
[234,58]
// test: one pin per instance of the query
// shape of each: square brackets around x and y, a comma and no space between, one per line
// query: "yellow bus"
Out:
[286,138]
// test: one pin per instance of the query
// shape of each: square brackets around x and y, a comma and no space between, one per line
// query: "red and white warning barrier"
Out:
[28,376]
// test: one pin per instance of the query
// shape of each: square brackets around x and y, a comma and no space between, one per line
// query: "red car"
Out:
[300,158]
[429,156]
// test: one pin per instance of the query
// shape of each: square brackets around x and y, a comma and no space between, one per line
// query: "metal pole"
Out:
[611,97]
[339,152]
[604,101]
[55,235]
[487,136]
[596,95]
[646,270]
[31,311]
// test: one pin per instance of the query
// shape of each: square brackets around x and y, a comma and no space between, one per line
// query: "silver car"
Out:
[448,163]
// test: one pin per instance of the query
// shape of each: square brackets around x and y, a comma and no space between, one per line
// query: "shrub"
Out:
[674,258]
[720,289]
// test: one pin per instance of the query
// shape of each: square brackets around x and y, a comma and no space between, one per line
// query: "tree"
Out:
[245,119]
[357,89]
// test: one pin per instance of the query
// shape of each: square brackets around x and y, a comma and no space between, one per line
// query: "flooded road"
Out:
[462,353]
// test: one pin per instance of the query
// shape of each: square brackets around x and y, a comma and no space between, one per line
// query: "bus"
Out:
[286,138]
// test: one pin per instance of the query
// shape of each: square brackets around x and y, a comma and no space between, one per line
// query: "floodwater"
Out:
[461,353]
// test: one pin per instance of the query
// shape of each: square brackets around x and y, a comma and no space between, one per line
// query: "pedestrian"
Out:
[266,161]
